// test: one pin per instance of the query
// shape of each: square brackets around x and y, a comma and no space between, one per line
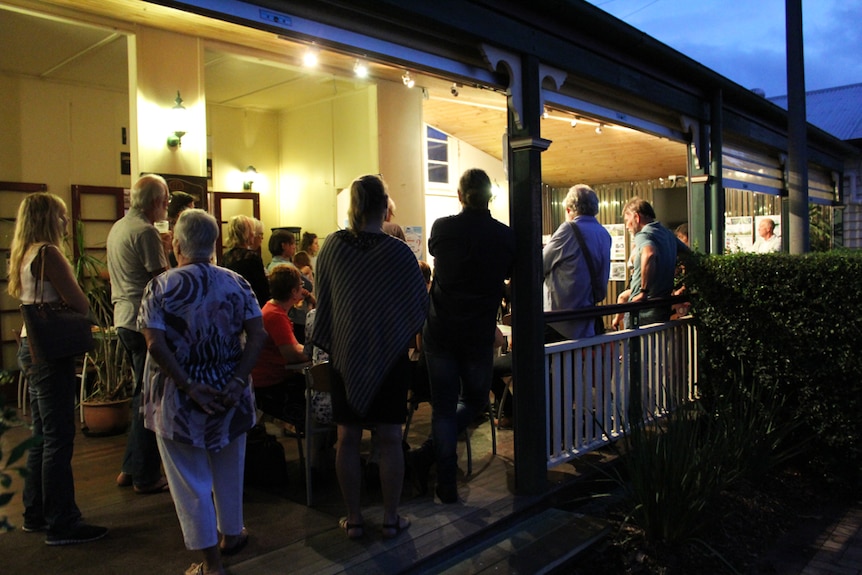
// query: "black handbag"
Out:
[54,330]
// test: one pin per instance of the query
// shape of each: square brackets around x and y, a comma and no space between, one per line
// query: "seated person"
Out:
[281,392]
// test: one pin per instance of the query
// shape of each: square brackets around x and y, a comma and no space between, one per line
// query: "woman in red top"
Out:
[281,392]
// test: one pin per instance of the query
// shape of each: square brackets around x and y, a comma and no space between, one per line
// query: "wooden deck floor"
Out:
[286,535]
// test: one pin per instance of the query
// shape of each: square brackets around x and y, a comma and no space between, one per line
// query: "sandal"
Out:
[198,569]
[353,530]
[158,486]
[393,530]
[241,541]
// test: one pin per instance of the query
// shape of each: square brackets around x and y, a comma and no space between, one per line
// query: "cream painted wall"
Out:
[323,148]
[61,134]
[160,63]
[401,150]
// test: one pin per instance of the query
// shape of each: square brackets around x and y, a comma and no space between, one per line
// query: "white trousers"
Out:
[206,487]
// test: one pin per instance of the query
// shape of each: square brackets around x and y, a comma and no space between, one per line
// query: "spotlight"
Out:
[360,68]
[599,129]
[574,123]
[408,81]
[309,59]
[454,90]
[545,113]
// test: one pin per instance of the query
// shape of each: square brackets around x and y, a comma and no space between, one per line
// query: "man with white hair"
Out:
[768,242]
[135,256]
[576,263]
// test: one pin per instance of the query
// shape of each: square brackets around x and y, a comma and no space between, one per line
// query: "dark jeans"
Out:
[49,489]
[141,459]
[460,383]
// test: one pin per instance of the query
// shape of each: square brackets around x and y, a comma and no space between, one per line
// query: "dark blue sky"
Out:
[744,40]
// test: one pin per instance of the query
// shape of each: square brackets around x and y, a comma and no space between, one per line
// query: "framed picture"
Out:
[194,185]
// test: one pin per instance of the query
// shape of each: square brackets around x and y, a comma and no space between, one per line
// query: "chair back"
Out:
[317,377]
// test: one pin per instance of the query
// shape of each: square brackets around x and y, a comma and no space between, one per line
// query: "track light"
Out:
[454,90]
[599,128]
[574,123]
[545,113]
[408,81]
[309,59]
[360,68]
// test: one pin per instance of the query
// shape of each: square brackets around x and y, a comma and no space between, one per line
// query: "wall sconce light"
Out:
[309,59]
[408,81]
[250,175]
[599,128]
[178,121]
[360,69]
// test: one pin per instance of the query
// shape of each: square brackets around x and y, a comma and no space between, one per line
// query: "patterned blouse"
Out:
[202,309]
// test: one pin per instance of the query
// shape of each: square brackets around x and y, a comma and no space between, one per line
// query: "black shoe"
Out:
[419,462]
[33,527]
[81,533]
[447,493]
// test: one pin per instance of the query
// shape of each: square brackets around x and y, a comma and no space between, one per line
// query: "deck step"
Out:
[534,546]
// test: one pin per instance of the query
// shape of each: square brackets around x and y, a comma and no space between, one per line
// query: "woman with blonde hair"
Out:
[243,241]
[367,327]
[49,488]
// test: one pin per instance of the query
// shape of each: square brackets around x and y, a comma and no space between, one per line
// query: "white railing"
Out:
[589,384]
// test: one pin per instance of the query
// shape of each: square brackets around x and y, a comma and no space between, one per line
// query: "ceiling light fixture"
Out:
[454,90]
[599,128]
[360,69]
[574,123]
[408,81]
[310,58]
[545,113]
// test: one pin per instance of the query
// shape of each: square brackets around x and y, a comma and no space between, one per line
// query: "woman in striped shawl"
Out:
[371,301]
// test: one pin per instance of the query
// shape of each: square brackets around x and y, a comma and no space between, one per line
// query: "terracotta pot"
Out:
[104,418]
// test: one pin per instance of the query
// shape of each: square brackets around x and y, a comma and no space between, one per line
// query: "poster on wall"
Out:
[413,237]
[738,234]
[618,242]
[618,272]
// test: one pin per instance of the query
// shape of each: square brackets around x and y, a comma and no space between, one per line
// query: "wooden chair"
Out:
[316,380]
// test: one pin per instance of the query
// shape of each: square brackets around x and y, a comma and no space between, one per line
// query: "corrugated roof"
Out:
[837,110]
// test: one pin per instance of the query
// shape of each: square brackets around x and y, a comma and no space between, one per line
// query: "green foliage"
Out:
[13,463]
[108,373]
[674,467]
[790,322]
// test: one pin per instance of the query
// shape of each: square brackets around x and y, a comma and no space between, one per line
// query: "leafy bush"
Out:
[674,467]
[9,464]
[790,323]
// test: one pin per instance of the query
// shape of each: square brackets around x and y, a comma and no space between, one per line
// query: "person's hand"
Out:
[232,393]
[207,398]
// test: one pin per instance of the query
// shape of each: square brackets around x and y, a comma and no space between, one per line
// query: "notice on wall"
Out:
[738,234]
[618,241]
[413,237]
[618,272]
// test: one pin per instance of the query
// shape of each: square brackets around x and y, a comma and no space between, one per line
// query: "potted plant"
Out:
[106,375]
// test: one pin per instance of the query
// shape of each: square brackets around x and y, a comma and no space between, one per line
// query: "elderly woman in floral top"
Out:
[197,396]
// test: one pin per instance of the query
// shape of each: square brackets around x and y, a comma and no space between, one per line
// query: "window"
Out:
[438,156]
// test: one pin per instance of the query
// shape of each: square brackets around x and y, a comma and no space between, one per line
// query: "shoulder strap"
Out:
[41,255]
[589,260]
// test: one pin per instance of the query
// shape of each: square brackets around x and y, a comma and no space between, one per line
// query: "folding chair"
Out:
[316,380]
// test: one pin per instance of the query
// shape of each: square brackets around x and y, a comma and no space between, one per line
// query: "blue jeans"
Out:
[460,384]
[141,459]
[49,489]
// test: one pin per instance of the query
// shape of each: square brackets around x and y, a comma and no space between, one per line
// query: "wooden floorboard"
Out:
[286,535]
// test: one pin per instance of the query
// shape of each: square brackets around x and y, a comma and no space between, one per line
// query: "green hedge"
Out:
[792,323]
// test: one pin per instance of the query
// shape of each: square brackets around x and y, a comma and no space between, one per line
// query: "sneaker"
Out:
[81,533]
[34,527]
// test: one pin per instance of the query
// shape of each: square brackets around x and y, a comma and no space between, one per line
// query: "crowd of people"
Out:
[211,345]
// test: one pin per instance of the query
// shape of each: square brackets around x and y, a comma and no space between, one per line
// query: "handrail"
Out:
[612,309]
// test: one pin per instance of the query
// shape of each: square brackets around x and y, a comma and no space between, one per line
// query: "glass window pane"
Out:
[436,134]
[438,173]
[438,151]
